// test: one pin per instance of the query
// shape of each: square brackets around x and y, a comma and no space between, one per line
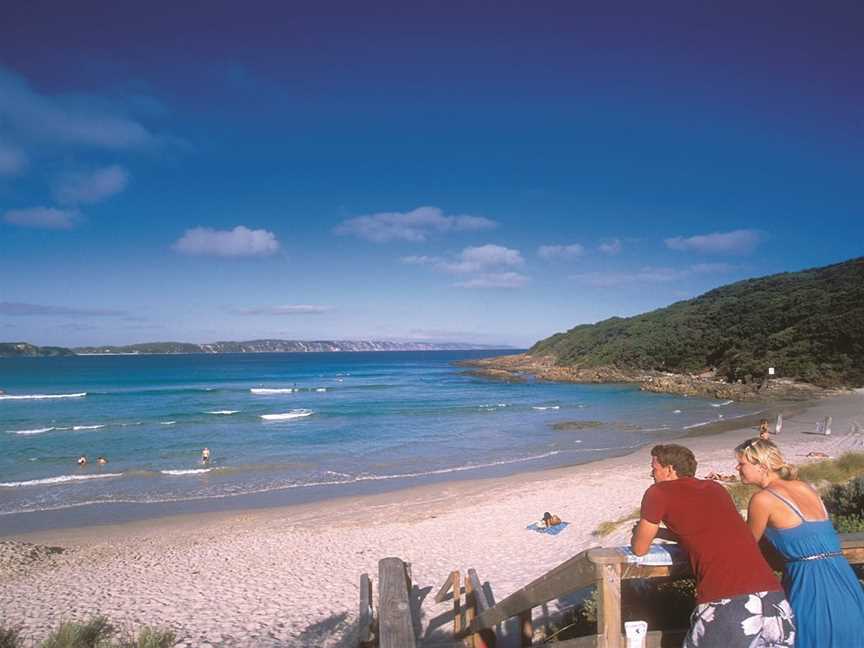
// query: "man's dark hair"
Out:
[677,456]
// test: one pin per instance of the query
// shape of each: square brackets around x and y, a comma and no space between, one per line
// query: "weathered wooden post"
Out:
[395,625]
[609,603]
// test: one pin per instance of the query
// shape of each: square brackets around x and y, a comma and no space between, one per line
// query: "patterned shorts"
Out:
[759,620]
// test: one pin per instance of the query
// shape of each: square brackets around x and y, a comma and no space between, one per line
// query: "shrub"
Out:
[846,499]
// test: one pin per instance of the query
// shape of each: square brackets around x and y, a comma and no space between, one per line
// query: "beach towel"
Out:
[540,527]
[658,554]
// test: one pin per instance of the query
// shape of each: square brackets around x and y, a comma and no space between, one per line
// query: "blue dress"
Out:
[824,592]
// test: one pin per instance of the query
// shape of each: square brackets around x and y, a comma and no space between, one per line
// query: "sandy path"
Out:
[283,577]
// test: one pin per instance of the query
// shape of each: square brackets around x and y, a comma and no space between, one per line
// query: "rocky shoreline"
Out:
[516,368]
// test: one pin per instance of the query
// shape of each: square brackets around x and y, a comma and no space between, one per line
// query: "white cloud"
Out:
[741,241]
[241,241]
[560,251]
[414,226]
[293,309]
[495,280]
[65,119]
[484,266]
[611,247]
[42,217]
[12,161]
[92,187]
[476,259]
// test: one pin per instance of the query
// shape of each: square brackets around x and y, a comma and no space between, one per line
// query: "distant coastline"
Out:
[25,349]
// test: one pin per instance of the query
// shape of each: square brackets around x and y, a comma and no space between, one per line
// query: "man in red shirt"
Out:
[739,600]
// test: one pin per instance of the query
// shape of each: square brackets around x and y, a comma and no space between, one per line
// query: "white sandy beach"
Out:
[289,576]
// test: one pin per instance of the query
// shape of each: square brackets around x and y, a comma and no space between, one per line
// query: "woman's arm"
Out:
[758,513]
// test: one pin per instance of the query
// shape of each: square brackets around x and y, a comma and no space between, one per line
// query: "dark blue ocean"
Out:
[325,424]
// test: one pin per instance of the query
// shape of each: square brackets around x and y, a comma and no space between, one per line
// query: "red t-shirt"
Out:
[723,554]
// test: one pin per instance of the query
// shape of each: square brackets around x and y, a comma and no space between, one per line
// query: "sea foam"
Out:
[87,427]
[223,412]
[57,480]
[188,471]
[40,396]
[287,416]
[36,431]
[262,391]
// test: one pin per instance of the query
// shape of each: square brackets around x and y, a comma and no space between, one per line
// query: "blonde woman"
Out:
[826,597]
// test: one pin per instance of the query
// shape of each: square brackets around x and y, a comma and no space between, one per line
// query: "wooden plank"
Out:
[446,587]
[484,637]
[609,603]
[366,619]
[853,546]
[483,603]
[570,576]
[456,586]
[395,626]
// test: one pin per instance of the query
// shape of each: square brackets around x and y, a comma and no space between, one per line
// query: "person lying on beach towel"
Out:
[550,524]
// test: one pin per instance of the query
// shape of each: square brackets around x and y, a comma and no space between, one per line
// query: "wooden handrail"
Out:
[586,569]
[569,576]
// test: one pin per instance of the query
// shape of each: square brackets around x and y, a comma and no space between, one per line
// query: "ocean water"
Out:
[303,426]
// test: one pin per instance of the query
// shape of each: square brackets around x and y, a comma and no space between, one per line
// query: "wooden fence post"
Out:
[609,604]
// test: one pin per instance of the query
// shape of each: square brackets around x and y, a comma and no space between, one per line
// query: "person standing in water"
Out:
[205,456]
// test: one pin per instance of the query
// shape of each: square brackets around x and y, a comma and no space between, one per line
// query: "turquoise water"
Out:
[343,420]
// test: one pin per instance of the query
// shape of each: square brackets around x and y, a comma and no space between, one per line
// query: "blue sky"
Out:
[488,172]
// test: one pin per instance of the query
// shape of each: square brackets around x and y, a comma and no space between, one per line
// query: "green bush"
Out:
[846,499]
[848,523]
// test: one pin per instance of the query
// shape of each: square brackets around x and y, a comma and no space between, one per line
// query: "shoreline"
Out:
[100,514]
[514,368]
[289,576]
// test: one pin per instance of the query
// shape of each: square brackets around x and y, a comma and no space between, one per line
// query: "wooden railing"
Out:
[605,568]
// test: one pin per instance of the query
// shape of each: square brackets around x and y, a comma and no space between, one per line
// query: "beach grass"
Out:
[98,632]
[605,528]
[835,471]
[95,633]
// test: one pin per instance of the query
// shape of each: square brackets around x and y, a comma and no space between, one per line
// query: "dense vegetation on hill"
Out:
[809,325]
[19,349]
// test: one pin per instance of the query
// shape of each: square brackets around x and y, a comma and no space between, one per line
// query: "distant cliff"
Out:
[280,346]
[23,349]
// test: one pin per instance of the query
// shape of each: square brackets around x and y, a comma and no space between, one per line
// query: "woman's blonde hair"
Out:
[762,452]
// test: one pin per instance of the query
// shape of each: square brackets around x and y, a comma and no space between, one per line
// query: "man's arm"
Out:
[643,536]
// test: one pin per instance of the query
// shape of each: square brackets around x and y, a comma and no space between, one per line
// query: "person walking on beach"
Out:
[205,456]
[740,603]
[824,592]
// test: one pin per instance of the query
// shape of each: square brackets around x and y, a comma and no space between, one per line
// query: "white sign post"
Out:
[770,371]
